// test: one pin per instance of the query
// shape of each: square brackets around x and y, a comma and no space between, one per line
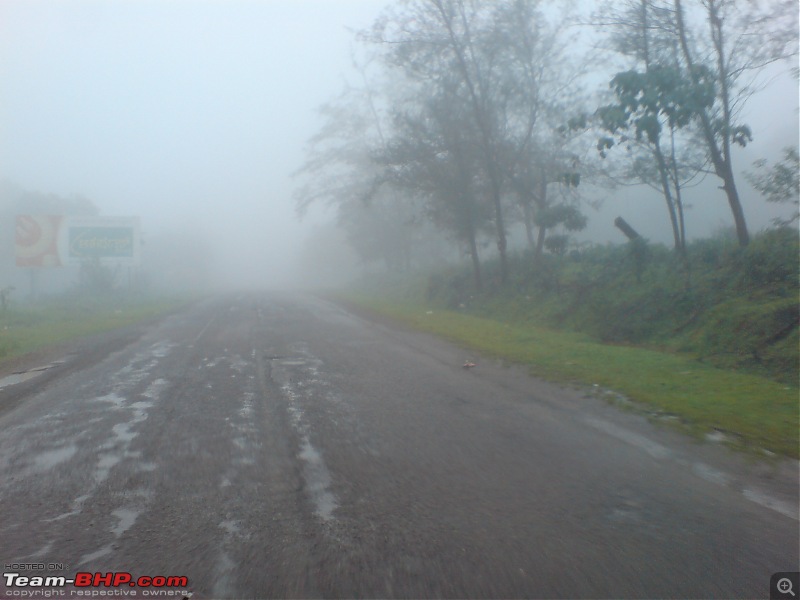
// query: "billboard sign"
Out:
[36,241]
[54,241]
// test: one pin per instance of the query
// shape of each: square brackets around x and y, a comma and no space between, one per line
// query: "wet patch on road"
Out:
[49,459]
[90,435]
[698,468]
[301,381]
[27,374]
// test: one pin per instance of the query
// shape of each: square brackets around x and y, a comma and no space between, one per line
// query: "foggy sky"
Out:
[189,114]
[192,114]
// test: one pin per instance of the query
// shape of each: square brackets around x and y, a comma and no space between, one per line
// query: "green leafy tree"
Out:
[503,65]
[718,50]
[651,109]
[654,105]
[432,156]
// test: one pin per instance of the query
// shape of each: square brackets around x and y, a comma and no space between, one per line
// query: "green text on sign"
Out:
[101,242]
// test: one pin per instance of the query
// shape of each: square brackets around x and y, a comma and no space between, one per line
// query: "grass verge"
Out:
[25,329]
[755,412]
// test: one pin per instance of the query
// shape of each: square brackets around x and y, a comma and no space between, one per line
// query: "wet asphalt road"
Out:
[282,446]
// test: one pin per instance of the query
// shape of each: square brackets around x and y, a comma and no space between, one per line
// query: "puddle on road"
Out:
[113,398]
[75,509]
[123,433]
[788,509]
[22,376]
[292,363]
[126,517]
[710,473]
[49,459]
[104,466]
[16,378]
[297,385]
[318,480]
[224,583]
[160,349]
[230,527]
[154,390]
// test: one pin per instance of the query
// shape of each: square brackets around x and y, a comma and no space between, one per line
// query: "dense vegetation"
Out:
[728,306]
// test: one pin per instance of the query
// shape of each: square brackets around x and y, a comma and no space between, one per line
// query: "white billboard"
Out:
[56,240]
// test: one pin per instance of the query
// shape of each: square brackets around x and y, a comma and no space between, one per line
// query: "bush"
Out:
[772,258]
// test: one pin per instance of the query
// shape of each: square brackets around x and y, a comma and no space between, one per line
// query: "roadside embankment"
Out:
[709,344]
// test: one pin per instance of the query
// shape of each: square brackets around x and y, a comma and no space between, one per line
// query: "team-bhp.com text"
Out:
[24,583]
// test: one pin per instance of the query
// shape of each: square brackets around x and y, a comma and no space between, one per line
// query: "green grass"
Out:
[24,329]
[761,413]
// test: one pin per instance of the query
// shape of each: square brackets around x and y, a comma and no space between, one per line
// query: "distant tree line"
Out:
[472,116]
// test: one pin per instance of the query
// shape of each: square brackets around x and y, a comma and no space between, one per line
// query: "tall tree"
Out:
[728,52]
[340,171]
[500,58]
[648,104]
[548,164]
[432,156]
[653,107]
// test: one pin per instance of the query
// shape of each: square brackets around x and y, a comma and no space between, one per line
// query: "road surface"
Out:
[276,445]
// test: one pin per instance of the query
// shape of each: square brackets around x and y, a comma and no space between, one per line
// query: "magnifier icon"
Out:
[784,586]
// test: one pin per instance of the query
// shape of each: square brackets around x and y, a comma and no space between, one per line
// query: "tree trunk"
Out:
[625,228]
[528,217]
[476,263]
[664,176]
[460,48]
[540,242]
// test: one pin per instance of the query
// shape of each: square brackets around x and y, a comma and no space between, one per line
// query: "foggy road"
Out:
[283,446]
